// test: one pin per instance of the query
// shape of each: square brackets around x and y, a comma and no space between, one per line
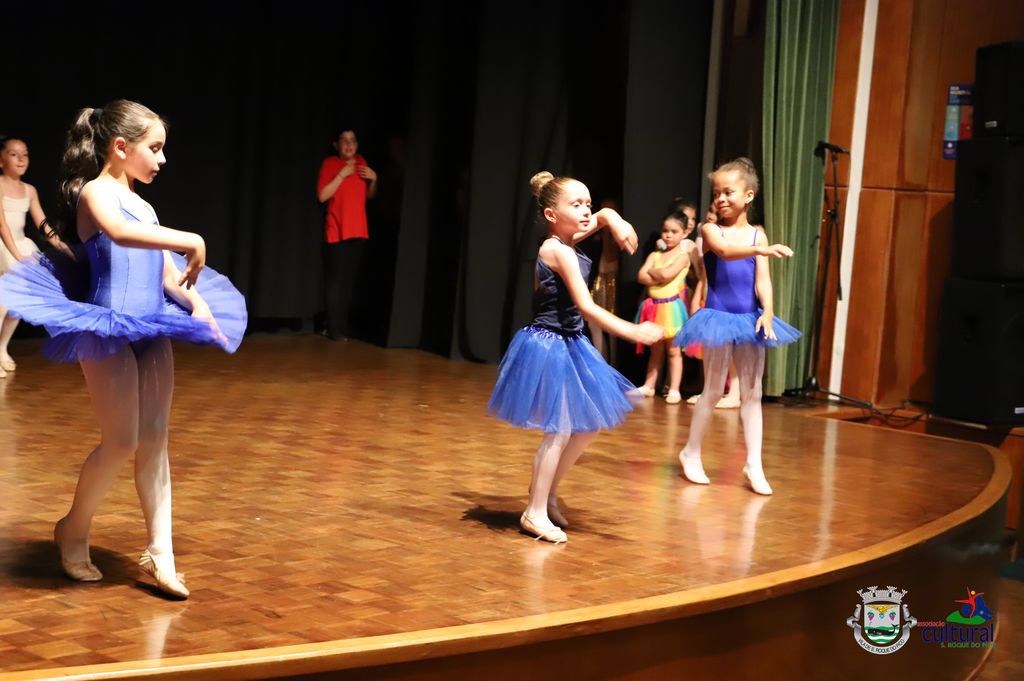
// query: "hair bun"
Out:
[745,161]
[538,181]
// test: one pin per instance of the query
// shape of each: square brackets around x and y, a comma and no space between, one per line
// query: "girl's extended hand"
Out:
[625,235]
[777,251]
[648,333]
[764,322]
[195,259]
[200,310]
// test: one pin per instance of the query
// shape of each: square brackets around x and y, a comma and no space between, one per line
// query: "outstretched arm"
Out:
[715,242]
[562,260]
[99,211]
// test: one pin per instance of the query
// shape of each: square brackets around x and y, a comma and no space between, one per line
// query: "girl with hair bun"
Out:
[738,321]
[551,378]
[136,298]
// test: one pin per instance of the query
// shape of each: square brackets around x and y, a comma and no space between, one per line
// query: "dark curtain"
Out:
[609,92]
[253,93]
[455,105]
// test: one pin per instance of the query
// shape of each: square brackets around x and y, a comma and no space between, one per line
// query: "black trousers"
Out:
[341,266]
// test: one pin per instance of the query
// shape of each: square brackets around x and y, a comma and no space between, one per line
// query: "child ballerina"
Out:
[139,297]
[664,275]
[20,199]
[551,378]
[731,326]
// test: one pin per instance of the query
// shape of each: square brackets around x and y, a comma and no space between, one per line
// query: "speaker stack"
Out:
[980,369]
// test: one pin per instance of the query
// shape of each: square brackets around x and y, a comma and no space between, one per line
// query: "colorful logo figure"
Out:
[882,630]
[973,612]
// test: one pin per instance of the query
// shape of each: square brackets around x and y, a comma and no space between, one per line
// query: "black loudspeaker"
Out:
[998,97]
[988,223]
[980,368]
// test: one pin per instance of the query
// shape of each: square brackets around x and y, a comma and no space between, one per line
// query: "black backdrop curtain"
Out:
[456,106]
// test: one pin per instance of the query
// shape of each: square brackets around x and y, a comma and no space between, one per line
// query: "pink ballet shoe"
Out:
[171,584]
[731,401]
[551,534]
[693,470]
[80,571]
[645,391]
[7,363]
[673,397]
[758,482]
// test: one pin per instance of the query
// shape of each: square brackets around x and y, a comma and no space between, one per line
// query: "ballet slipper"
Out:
[555,514]
[730,401]
[80,571]
[7,363]
[692,399]
[551,534]
[673,397]
[693,470]
[758,482]
[171,584]
[645,391]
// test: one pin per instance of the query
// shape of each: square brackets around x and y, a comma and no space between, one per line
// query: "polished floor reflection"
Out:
[330,491]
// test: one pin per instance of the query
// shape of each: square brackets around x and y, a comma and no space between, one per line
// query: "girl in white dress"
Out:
[20,199]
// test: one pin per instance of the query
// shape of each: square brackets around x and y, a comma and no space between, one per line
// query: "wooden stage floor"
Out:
[326,493]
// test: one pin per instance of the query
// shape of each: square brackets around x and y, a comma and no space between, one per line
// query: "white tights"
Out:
[132,400]
[7,327]
[557,453]
[749,362]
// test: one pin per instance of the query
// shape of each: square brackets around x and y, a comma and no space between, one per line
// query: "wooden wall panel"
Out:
[900,298]
[921,47]
[867,292]
[844,86]
[937,249]
[921,113]
[888,93]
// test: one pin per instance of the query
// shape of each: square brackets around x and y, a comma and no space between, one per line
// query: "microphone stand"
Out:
[811,387]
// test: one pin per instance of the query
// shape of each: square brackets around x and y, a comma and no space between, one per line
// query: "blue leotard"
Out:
[731,313]
[125,303]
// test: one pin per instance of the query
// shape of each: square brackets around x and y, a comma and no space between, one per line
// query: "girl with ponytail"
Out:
[140,294]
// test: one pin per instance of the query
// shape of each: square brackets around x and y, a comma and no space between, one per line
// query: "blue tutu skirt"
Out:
[48,291]
[559,384]
[715,328]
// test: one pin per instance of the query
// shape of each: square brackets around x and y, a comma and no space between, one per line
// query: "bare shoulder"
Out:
[554,253]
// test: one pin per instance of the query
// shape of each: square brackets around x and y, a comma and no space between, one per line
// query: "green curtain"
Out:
[799,61]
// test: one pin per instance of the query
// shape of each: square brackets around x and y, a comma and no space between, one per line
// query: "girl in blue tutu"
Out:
[551,378]
[737,322]
[116,318]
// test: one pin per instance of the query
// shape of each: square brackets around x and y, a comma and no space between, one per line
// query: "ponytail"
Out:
[85,152]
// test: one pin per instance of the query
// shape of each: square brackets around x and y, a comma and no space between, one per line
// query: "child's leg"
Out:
[577,443]
[732,395]
[716,365]
[7,327]
[750,368]
[675,371]
[113,385]
[653,366]
[152,468]
[545,465]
